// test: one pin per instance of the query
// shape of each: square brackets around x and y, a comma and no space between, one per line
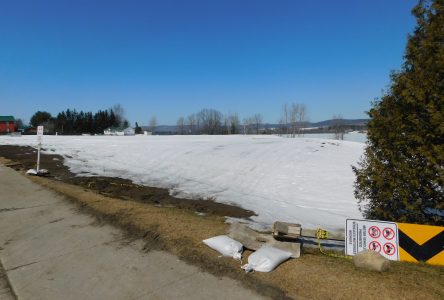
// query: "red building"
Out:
[7,124]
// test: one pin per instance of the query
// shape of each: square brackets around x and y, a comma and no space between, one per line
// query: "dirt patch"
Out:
[127,190]
[24,158]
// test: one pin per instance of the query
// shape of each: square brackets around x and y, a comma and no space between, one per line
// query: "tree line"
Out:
[211,121]
[72,121]
[206,121]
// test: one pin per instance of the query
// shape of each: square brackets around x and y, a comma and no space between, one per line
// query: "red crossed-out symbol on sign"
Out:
[389,248]
[388,233]
[374,232]
[375,246]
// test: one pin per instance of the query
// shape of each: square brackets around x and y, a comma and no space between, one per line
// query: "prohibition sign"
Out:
[375,246]
[389,248]
[388,233]
[374,232]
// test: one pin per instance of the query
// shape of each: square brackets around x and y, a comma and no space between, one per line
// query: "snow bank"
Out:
[303,180]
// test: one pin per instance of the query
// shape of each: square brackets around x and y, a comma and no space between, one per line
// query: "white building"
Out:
[109,131]
[119,131]
[129,131]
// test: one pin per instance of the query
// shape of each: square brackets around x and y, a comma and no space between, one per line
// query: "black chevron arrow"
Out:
[425,251]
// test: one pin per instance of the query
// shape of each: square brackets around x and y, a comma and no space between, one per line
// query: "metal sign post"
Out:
[39,146]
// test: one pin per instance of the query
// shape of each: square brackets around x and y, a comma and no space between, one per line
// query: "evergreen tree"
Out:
[113,120]
[138,129]
[40,118]
[401,177]
[61,122]
[101,121]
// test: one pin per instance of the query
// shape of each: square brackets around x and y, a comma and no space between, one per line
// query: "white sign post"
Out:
[39,136]
[379,236]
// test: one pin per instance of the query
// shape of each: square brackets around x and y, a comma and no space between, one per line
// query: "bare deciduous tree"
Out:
[281,126]
[181,125]
[286,117]
[302,118]
[297,115]
[338,127]
[248,125]
[226,129]
[152,124]
[119,113]
[258,119]
[232,123]
[18,124]
[210,121]
[192,124]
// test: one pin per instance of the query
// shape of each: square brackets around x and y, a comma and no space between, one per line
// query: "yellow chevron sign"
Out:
[421,243]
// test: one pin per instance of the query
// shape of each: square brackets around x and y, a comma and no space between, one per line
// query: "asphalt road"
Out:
[49,250]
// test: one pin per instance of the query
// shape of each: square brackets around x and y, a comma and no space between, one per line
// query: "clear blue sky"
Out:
[171,58]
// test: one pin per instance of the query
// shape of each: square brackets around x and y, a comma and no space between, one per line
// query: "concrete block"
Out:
[253,240]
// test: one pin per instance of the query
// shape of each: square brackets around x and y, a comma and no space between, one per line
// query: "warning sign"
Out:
[378,236]
[421,243]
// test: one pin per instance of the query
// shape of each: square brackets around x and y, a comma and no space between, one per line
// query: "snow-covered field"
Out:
[353,136]
[303,180]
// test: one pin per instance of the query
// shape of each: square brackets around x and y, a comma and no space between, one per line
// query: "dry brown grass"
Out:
[312,276]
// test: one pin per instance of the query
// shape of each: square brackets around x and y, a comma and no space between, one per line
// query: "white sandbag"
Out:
[266,259]
[34,172]
[225,246]
[31,172]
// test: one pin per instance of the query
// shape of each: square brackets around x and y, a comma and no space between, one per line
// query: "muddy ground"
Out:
[24,158]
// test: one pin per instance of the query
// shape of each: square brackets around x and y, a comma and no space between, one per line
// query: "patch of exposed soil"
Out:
[24,158]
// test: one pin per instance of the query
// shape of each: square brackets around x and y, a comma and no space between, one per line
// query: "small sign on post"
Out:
[39,130]
[37,171]
[39,135]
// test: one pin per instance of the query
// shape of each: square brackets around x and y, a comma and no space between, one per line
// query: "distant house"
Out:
[147,130]
[109,131]
[7,124]
[119,131]
[129,131]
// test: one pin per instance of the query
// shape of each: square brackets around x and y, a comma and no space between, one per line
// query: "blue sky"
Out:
[172,58]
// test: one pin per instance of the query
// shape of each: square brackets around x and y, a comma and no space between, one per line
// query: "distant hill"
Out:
[349,122]
[171,129]
[324,124]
